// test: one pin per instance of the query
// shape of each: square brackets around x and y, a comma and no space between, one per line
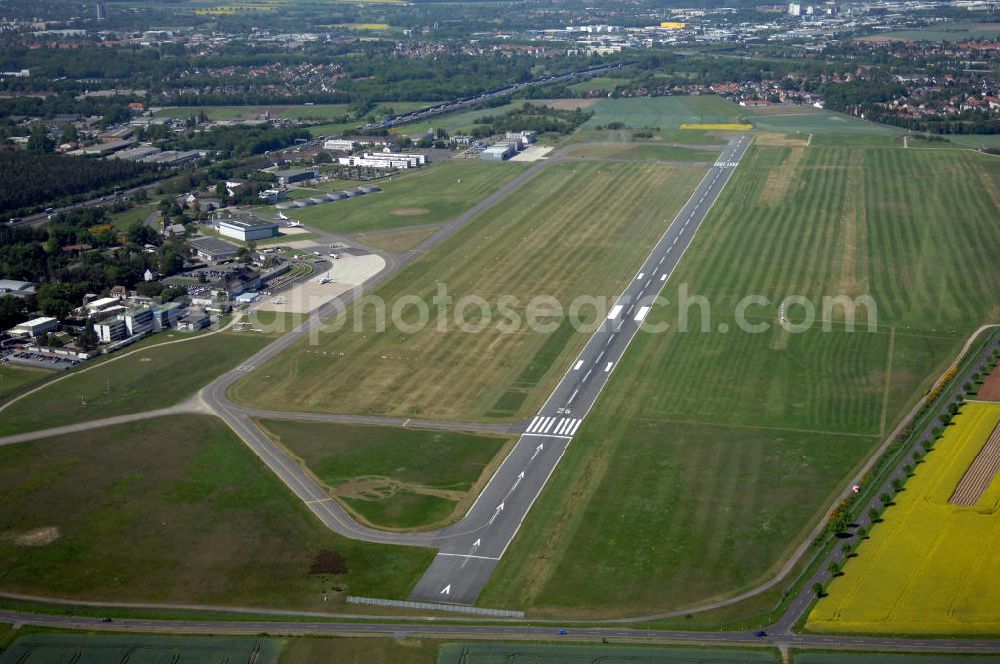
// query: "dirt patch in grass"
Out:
[567,104]
[37,537]
[782,181]
[410,212]
[990,390]
[778,139]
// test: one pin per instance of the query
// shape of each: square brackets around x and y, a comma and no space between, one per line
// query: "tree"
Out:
[142,235]
[873,515]
[57,300]
[817,589]
[221,190]
[88,340]
[13,310]
[39,141]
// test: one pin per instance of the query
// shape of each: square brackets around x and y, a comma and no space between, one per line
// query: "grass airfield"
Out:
[702,486]
[575,229]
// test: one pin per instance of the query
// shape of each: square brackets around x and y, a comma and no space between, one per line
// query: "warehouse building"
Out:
[213,249]
[16,288]
[245,226]
[292,176]
[499,152]
[36,327]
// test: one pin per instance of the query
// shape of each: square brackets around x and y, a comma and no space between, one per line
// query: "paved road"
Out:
[430,629]
[470,550]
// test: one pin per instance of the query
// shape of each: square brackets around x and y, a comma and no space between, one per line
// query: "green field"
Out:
[700,489]
[889,658]
[607,83]
[576,228]
[362,650]
[173,510]
[953,31]
[425,196]
[396,478]
[810,120]
[117,649]
[147,380]
[929,567]
[498,653]
[455,123]
[14,379]
[665,112]
[640,152]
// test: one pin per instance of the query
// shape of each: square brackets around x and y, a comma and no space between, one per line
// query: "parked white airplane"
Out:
[278,300]
[294,224]
[283,216]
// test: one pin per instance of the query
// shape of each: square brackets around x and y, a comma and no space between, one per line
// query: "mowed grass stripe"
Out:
[576,229]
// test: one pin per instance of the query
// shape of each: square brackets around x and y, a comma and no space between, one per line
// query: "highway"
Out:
[432,629]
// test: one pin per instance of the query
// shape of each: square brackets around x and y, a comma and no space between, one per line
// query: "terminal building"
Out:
[385,160]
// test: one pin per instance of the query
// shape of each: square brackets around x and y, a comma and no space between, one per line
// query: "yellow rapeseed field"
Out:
[930,567]
[722,126]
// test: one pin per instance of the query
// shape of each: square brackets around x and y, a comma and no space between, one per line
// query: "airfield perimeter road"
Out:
[499,630]
[470,549]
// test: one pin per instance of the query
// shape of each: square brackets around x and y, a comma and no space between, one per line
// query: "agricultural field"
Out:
[606,83]
[929,566]
[360,650]
[393,477]
[495,653]
[889,658]
[990,389]
[742,439]
[429,195]
[574,229]
[118,648]
[145,380]
[174,509]
[640,152]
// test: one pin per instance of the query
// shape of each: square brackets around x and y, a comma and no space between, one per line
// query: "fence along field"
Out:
[738,440]
[930,566]
[575,229]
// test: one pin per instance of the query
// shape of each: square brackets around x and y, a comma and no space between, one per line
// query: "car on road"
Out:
[561,632]
[107,620]
[760,633]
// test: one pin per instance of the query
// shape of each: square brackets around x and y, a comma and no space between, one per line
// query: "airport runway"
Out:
[470,549]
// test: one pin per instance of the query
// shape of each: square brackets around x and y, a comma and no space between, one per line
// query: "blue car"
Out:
[561,632]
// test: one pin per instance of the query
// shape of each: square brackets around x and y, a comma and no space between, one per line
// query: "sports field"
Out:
[393,477]
[930,566]
[428,195]
[138,649]
[575,229]
[145,380]
[174,509]
[700,488]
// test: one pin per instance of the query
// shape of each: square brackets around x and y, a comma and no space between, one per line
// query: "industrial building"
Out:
[36,327]
[292,176]
[498,152]
[213,249]
[244,226]
[139,321]
[340,144]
